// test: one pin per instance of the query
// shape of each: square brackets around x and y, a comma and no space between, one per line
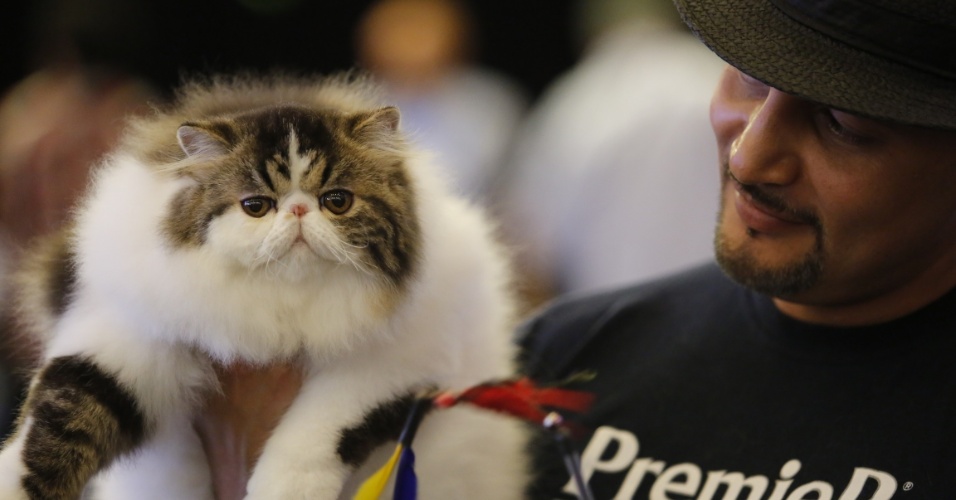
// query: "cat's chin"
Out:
[298,264]
[299,249]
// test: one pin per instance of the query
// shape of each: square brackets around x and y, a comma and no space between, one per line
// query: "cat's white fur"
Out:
[152,316]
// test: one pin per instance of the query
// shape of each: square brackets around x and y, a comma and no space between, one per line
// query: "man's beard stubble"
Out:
[783,281]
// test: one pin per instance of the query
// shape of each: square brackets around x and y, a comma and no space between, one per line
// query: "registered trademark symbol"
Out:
[907,486]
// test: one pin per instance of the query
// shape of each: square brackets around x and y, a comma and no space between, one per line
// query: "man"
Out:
[818,364]
[815,362]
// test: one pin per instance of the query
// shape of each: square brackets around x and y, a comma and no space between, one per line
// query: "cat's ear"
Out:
[379,127]
[199,143]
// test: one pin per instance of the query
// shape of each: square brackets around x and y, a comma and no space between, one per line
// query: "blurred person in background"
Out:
[69,111]
[604,186]
[54,125]
[423,51]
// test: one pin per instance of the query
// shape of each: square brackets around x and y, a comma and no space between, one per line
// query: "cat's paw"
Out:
[11,488]
[13,494]
[292,489]
[11,472]
[277,482]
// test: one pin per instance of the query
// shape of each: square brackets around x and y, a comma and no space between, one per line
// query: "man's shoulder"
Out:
[553,336]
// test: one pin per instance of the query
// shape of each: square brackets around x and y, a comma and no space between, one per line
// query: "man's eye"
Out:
[838,123]
[257,206]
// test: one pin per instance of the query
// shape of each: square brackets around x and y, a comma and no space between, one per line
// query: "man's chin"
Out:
[781,280]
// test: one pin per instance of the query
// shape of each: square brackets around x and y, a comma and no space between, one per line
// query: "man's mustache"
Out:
[773,201]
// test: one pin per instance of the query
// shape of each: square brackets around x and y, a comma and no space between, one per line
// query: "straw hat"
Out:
[889,59]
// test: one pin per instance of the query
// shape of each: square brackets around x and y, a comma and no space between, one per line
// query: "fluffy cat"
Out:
[265,219]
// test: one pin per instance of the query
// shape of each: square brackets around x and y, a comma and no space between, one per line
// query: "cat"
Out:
[266,219]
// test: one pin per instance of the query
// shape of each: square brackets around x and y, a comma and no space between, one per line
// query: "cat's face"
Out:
[295,192]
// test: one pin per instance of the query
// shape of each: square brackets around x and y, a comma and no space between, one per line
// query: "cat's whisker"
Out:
[353,245]
[341,251]
[338,247]
[358,264]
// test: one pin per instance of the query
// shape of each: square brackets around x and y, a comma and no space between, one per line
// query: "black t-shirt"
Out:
[704,390]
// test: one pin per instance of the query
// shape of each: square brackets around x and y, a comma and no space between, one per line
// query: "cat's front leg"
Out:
[78,417]
[97,397]
[337,420]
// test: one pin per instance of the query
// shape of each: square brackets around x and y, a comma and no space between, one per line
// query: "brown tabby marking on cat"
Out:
[82,418]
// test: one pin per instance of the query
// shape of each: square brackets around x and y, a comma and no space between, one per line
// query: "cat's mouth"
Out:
[299,244]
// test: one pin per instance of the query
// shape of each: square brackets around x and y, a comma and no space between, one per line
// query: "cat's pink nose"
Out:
[299,209]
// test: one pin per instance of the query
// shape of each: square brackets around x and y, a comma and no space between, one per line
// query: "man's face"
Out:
[823,207]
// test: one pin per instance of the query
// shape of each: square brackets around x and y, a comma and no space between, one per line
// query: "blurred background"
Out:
[531,40]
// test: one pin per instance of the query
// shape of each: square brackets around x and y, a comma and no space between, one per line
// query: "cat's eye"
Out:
[257,206]
[338,202]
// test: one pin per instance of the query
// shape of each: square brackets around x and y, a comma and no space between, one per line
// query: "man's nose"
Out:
[766,152]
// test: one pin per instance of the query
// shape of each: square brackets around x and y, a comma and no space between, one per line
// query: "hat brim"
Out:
[762,41]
